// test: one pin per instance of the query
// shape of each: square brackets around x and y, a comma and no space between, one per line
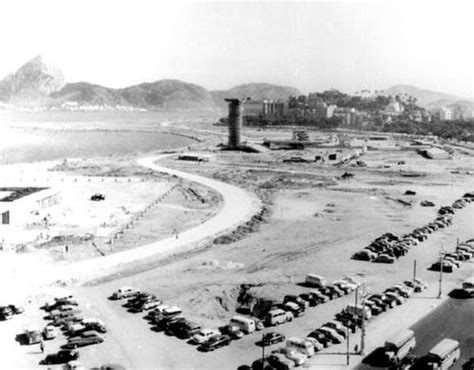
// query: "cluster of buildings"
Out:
[312,106]
[448,114]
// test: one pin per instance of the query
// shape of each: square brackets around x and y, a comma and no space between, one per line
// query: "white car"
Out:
[49,332]
[204,335]
[293,355]
[169,311]
[314,342]
[125,292]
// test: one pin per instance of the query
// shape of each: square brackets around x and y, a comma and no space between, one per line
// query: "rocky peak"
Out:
[32,83]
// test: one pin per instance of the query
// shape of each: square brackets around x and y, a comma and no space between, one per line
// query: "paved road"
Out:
[454,319]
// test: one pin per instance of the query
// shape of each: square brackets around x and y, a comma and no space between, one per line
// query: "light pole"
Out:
[263,351]
[441,259]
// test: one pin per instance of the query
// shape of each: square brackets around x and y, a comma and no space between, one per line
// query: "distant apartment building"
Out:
[445,114]
[348,115]
[253,108]
[274,108]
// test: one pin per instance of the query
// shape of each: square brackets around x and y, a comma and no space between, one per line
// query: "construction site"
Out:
[237,220]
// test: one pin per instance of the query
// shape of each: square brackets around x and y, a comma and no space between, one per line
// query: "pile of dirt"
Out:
[245,229]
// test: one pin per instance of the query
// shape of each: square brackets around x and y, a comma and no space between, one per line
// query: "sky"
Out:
[313,46]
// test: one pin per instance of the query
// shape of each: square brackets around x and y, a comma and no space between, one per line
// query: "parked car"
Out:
[262,364]
[298,300]
[384,258]
[364,255]
[215,343]
[315,343]
[5,313]
[337,326]
[85,339]
[49,332]
[33,336]
[232,331]
[332,334]
[311,299]
[272,338]
[146,305]
[125,292]
[294,308]
[320,295]
[204,335]
[293,355]
[321,337]
[280,361]
[395,297]
[94,324]
[447,267]
[61,357]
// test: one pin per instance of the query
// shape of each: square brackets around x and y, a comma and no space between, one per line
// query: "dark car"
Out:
[16,309]
[272,338]
[262,364]
[139,298]
[86,339]
[312,299]
[5,313]
[98,327]
[320,337]
[446,267]
[298,300]
[146,305]
[165,322]
[60,357]
[97,197]
[183,329]
[216,342]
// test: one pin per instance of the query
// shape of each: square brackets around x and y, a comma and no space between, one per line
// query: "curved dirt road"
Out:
[238,206]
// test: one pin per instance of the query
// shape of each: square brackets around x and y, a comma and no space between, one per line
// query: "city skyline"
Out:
[313,46]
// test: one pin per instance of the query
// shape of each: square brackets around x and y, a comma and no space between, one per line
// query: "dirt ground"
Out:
[315,222]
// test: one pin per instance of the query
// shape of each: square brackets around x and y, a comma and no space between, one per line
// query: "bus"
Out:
[400,345]
[243,323]
[444,354]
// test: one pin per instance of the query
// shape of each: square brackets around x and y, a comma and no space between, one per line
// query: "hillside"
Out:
[425,98]
[255,91]
[31,84]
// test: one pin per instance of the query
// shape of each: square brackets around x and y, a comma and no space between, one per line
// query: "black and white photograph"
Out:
[242,185]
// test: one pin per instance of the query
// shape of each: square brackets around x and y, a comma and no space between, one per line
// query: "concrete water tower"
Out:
[235,122]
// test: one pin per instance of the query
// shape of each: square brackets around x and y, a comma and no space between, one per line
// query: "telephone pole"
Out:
[441,266]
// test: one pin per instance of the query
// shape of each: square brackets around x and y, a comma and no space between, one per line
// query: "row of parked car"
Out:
[64,315]
[169,319]
[389,247]
[449,261]
[297,350]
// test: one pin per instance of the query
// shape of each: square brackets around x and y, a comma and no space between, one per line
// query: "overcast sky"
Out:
[312,46]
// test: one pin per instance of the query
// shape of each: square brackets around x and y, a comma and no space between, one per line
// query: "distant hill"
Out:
[425,98]
[31,84]
[163,94]
[255,91]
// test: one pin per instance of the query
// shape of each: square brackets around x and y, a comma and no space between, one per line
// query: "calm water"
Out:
[37,136]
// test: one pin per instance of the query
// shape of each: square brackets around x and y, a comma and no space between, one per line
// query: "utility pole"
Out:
[347,348]
[263,351]
[414,270]
[441,258]
[362,335]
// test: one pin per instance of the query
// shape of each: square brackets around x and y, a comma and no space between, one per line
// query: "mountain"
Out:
[31,84]
[168,94]
[255,91]
[163,94]
[425,98]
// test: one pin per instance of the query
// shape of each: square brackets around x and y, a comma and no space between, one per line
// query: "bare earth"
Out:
[316,221]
